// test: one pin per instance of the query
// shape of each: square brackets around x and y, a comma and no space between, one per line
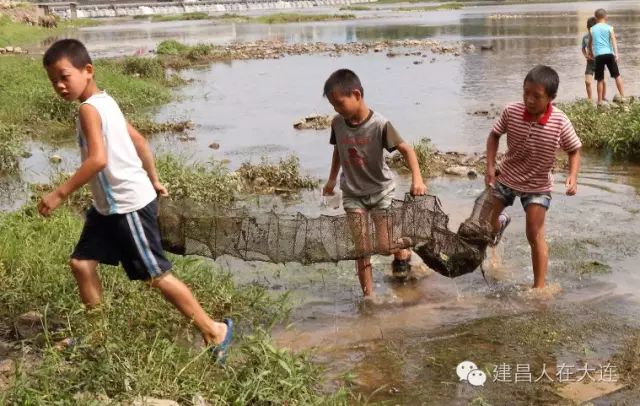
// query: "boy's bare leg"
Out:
[539,251]
[587,83]
[619,85]
[600,91]
[176,292]
[383,224]
[497,208]
[85,272]
[358,220]
[365,275]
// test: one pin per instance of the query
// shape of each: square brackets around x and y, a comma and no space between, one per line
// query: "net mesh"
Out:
[415,222]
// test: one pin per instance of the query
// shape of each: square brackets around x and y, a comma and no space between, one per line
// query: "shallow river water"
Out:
[405,345]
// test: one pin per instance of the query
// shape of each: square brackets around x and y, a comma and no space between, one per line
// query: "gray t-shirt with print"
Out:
[361,150]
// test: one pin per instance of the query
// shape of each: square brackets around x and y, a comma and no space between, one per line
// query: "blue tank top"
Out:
[601,34]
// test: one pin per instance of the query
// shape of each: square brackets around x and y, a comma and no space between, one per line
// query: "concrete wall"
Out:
[220,6]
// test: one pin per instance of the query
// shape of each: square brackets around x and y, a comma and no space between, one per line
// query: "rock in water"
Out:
[458,170]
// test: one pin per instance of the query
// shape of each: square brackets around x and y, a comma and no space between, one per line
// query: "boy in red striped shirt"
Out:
[535,131]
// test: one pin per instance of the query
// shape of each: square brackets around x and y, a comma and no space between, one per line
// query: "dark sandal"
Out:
[401,267]
[219,351]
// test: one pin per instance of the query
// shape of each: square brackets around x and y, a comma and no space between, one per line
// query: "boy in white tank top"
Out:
[121,226]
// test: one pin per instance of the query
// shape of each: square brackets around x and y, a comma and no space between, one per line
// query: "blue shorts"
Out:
[132,239]
[507,196]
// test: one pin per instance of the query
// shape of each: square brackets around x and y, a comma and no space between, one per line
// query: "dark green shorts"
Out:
[591,68]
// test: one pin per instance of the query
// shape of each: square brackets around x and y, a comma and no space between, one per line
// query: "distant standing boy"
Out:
[121,226]
[604,46]
[591,63]
[360,136]
[535,131]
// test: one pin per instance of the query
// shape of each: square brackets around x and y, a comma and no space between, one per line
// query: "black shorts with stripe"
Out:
[132,239]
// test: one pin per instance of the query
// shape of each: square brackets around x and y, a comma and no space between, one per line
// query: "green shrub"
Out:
[171,47]
[615,129]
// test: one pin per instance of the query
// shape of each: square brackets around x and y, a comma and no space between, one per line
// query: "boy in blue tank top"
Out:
[604,47]
[122,225]
[591,63]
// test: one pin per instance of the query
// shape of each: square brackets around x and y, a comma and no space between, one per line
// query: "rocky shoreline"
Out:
[181,56]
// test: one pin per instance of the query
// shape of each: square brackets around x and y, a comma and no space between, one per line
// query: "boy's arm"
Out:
[614,42]
[590,49]
[146,156]
[418,188]
[96,161]
[574,166]
[333,173]
[493,141]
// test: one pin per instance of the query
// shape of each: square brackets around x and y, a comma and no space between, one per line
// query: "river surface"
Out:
[404,346]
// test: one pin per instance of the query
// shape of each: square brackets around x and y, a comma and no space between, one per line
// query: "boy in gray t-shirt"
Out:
[360,136]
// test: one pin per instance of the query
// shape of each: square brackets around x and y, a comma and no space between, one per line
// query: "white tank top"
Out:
[123,186]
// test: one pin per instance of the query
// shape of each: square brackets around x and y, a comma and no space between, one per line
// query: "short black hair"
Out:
[72,49]
[591,22]
[545,76]
[600,13]
[344,81]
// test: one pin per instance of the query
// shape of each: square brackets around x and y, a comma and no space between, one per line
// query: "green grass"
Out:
[446,6]
[443,5]
[424,150]
[284,18]
[29,102]
[355,8]
[284,175]
[276,18]
[137,345]
[616,130]
[181,17]
[200,182]
[194,16]
[11,147]
[30,108]
[19,34]
[210,183]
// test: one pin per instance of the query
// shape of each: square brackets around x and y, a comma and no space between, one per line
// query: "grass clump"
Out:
[445,6]
[201,183]
[171,47]
[284,18]
[232,17]
[355,8]
[147,68]
[616,130]
[425,153]
[11,147]
[284,175]
[199,51]
[136,344]
[177,55]
[198,15]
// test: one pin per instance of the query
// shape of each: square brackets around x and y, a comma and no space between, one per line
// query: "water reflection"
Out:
[545,24]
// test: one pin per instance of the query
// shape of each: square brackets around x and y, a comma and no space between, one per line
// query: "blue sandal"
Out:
[219,351]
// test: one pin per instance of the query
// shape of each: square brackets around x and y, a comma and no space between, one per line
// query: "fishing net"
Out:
[415,222]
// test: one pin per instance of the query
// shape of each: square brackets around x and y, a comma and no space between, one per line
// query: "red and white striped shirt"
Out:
[532,146]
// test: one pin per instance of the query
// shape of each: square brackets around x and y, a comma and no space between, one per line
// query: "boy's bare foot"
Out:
[400,268]
[216,334]
[222,340]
